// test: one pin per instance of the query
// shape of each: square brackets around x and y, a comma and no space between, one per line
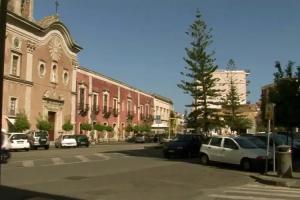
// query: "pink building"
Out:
[103,100]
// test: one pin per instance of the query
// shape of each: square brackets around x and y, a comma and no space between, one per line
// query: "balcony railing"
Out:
[106,112]
[95,109]
[83,108]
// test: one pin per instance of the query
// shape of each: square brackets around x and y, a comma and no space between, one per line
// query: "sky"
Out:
[142,42]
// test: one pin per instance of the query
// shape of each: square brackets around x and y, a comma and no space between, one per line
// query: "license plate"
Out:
[171,151]
[43,139]
[19,142]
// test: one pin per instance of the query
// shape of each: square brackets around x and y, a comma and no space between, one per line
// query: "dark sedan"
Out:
[82,140]
[183,145]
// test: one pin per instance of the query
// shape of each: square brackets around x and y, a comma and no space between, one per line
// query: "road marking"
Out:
[57,161]
[82,158]
[272,194]
[27,163]
[101,155]
[257,192]
[241,197]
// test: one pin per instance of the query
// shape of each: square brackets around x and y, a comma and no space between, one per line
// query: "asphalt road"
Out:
[123,171]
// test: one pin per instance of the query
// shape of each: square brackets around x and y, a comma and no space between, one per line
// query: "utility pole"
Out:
[3,10]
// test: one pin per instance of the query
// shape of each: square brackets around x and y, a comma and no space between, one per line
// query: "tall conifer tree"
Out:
[199,81]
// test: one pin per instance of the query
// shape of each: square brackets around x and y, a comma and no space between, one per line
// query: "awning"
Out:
[160,126]
[11,120]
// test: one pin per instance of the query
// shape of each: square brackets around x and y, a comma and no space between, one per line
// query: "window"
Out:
[95,102]
[216,141]
[42,69]
[12,106]
[115,104]
[81,98]
[65,77]
[142,109]
[105,102]
[54,74]
[228,143]
[129,106]
[15,65]
[147,109]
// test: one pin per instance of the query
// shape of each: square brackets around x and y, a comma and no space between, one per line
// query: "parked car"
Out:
[184,145]
[19,141]
[5,148]
[233,150]
[282,140]
[82,140]
[139,138]
[38,139]
[65,141]
[252,138]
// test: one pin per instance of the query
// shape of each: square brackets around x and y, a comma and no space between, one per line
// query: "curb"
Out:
[276,181]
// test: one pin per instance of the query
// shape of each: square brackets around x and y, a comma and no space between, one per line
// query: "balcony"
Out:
[95,109]
[106,112]
[83,109]
[130,115]
[115,112]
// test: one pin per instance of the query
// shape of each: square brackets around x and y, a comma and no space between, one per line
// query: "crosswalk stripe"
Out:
[271,187]
[27,163]
[269,190]
[82,158]
[57,161]
[241,197]
[101,155]
[261,193]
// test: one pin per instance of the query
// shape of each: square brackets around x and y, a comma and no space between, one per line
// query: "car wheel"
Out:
[204,160]
[166,155]
[245,164]
[35,148]
[46,147]
[27,149]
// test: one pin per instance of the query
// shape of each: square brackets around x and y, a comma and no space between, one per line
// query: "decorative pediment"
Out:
[47,21]
[55,48]
[52,96]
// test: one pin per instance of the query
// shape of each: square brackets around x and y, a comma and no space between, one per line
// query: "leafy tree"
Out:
[199,82]
[86,127]
[109,128]
[21,123]
[43,124]
[285,94]
[231,105]
[67,126]
[129,128]
[99,127]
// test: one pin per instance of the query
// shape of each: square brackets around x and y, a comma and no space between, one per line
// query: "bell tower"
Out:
[23,8]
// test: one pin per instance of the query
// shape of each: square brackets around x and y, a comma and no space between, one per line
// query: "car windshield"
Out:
[244,143]
[68,136]
[256,141]
[19,137]
[41,133]
[182,138]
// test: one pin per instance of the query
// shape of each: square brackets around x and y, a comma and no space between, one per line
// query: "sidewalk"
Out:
[271,178]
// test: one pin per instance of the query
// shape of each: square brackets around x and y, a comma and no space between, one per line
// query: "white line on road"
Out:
[262,193]
[285,190]
[82,158]
[101,155]
[241,197]
[57,161]
[27,163]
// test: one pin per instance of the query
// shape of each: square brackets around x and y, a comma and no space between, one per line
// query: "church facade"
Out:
[39,69]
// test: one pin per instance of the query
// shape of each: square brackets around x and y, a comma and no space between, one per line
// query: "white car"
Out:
[18,141]
[233,150]
[65,141]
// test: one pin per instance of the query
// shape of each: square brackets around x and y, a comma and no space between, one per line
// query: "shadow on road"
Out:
[10,193]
